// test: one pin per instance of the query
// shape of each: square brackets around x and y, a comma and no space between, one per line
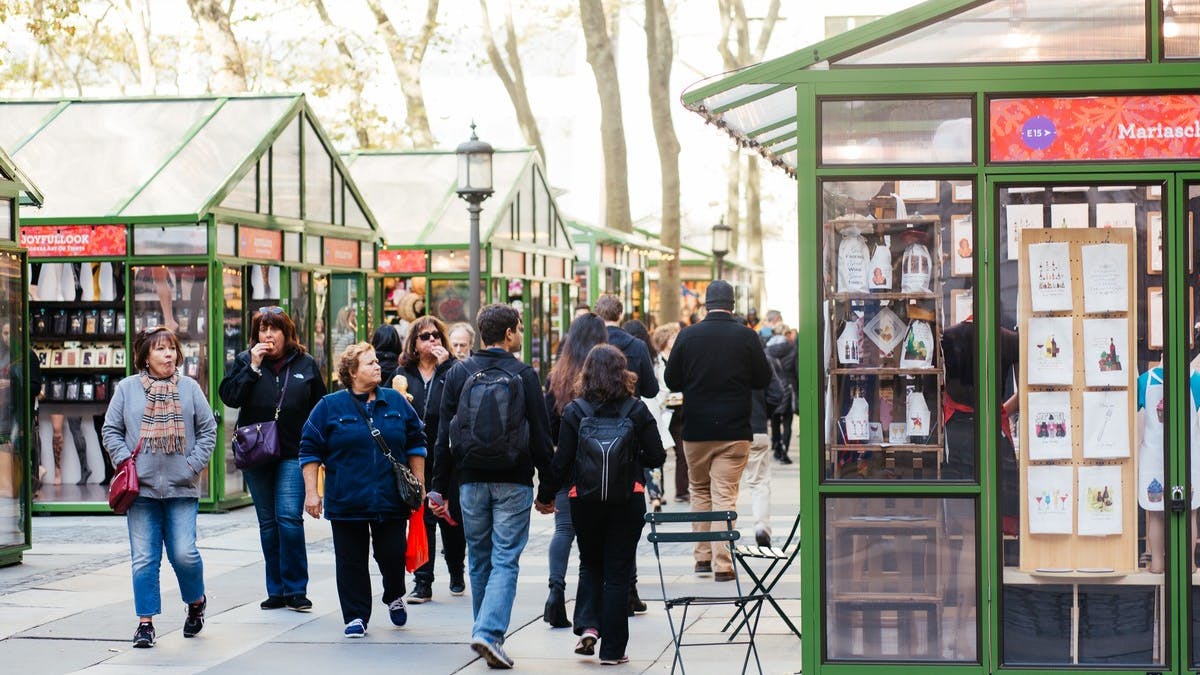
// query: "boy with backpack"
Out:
[606,439]
[493,433]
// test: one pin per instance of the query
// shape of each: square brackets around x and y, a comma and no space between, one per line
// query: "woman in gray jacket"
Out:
[163,416]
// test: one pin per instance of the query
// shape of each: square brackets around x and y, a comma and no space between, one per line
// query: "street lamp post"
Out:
[721,236]
[474,186]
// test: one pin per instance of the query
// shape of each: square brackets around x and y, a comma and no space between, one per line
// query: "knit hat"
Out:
[719,295]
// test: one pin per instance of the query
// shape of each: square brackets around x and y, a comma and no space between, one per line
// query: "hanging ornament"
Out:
[915,269]
[853,260]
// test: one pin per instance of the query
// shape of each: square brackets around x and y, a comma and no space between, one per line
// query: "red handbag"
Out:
[124,486]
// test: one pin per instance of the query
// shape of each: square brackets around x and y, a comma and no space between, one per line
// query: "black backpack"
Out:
[489,431]
[605,460]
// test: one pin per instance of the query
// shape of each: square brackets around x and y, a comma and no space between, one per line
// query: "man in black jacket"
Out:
[609,308]
[716,364]
[783,348]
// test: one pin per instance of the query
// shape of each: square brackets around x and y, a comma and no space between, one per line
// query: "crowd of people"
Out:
[473,427]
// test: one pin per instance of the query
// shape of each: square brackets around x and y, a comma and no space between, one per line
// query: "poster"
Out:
[1106,280]
[1019,217]
[963,245]
[1106,357]
[1106,424]
[1116,215]
[1100,503]
[1049,417]
[1069,215]
[1050,277]
[1051,351]
[1051,503]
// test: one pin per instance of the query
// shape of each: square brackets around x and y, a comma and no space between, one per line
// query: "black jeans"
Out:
[352,540]
[608,536]
[781,431]
[454,543]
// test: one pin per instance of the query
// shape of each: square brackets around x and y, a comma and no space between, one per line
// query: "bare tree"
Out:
[136,16]
[601,57]
[512,76]
[660,52]
[354,79]
[228,68]
[407,56]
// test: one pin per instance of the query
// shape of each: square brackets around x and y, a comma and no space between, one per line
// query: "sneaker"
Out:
[398,612]
[299,603]
[355,629]
[143,637]
[491,653]
[422,593]
[762,538]
[615,662]
[587,642]
[704,567]
[273,602]
[194,622]
[458,585]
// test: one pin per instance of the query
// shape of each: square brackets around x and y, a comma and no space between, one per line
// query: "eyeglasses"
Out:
[273,309]
[431,335]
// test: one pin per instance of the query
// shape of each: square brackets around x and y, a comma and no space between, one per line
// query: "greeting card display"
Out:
[1100,500]
[1106,357]
[1106,424]
[1050,277]
[853,259]
[1049,419]
[1051,499]
[1106,284]
[1051,355]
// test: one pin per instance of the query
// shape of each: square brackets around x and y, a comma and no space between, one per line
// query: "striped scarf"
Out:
[162,423]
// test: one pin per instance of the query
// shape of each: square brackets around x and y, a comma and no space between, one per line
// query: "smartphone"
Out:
[437,500]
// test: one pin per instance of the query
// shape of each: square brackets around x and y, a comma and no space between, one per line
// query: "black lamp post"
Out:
[474,186]
[721,236]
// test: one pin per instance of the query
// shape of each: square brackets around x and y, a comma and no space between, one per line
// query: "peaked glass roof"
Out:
[30,195]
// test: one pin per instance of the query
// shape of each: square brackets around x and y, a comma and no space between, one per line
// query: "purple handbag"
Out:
[258,443]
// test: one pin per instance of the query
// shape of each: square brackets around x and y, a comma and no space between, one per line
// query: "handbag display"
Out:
[406,481]
[258,443]
[124,488]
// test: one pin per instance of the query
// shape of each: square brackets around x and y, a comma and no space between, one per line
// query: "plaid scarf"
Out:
[162,423]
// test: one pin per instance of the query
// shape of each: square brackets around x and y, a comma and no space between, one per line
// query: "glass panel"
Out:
[541,210]
[898,296]
[312,249]
[354,214]
[524,205]
[508,169]
[1006,31]
[291,247]
[6,219]
[14,365]
[264,183]
[900,579]
[210,157]
[234,341]
[226,239]
[298,308]
[343,304]
[407,191]
[173,240]
[403,298]
[264,286]
[448,299]
[1192,212]
[896,131]
[1181,29]
[285,172]
[245,196]
[1079,355]
[537,328]
[366,255]
[339,212]
[318,177]
[320,343]
[451,260]
[18,120]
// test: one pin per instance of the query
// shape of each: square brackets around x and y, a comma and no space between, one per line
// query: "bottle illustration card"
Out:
[1051,499]
[1051,350]
[1049,418]
[1069,215]
[1106,278]
[1019,217]
[1100,503]
[1050,277]
[1106,358]
[1106,424]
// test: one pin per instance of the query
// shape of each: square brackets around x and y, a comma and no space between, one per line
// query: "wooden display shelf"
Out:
[875,370]
[916,447]
[883,295]
[76,304]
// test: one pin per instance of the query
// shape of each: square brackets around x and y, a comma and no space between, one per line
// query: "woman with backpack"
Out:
[606,439]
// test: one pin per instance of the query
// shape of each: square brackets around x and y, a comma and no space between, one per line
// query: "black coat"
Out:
[785,352]
[716,364]
[256,395]
[427,401]
[638,357]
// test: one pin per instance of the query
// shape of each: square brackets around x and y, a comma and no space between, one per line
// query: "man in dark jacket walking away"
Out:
[782,348]
[716,364]
[609,308]
[492,432]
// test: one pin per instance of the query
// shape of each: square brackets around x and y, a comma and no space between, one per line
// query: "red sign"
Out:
[341,252]
[256,243]
[1095,128]
[401,261]
[85,241]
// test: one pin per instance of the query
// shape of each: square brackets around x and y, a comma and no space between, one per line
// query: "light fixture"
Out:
[722,237]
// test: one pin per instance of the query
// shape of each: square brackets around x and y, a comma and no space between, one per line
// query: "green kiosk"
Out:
[999,427]
[423,267]
[696,270]
[611,261]
[16,190]
[186,212]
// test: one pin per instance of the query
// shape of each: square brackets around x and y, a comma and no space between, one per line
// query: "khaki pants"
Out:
[714,471]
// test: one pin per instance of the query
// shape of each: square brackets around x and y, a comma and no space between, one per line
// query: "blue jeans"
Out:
[153,523]
[560,542]
[496,523]
[278,491]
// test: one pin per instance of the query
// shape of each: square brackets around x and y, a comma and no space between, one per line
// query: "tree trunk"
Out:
[512,76]
[754,231]
[733,199]
[659,55]
[612,130]
[356,80]
[228,68]
[136,17]
[406,59]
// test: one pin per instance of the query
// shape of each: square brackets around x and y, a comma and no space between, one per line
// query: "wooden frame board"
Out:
[918,190]
[962,193]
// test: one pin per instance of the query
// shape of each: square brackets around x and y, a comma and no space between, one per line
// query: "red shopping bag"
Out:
[416,552]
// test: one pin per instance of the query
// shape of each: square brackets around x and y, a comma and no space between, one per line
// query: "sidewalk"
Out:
[69,608]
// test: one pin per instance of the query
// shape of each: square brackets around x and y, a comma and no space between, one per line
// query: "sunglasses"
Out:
[273,309]
[432,335]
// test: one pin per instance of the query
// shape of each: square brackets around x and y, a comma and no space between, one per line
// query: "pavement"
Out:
[68,608]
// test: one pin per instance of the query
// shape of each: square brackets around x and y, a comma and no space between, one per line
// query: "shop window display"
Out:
[235,341]
[14,366]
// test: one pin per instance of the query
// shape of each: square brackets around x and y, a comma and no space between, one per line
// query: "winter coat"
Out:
[256,394]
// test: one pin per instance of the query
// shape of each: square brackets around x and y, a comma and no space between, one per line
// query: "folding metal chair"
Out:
[780,559]
[747,607]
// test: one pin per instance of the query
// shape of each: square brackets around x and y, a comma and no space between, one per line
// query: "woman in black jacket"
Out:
[277,372]
[424,363]
[388,344]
